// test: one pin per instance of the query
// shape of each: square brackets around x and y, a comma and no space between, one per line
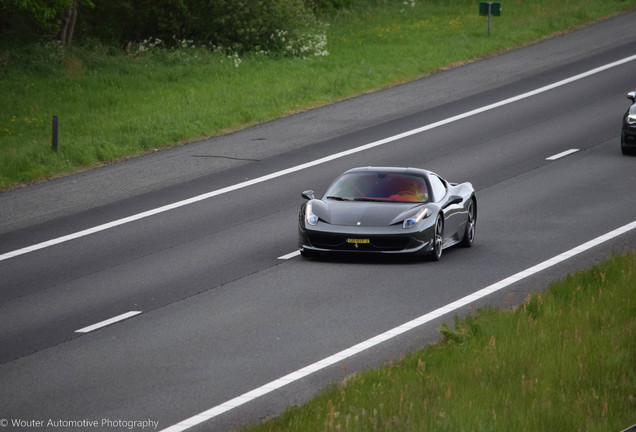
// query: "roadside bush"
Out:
[329,6]
[274,26]
[287,27]
[257,25]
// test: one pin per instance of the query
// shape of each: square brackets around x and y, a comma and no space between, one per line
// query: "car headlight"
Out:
[412,221]
[310,217]
[631,119]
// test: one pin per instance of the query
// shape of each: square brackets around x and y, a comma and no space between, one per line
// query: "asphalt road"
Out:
[220,314]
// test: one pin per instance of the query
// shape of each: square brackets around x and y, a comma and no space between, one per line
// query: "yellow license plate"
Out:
[356,240]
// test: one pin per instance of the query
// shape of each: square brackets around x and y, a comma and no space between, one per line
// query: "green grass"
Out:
[113,105]
[563,361]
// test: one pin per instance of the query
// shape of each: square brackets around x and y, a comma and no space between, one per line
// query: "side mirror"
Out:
[631,96]
[308,195]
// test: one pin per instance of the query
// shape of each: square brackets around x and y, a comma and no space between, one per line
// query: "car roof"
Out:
[401,170]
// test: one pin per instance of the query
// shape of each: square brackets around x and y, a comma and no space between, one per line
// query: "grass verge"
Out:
[112,105]
[565,360]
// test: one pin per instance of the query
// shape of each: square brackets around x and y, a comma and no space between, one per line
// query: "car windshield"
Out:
[378,186]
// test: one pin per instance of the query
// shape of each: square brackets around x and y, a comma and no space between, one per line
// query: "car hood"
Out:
[362,213]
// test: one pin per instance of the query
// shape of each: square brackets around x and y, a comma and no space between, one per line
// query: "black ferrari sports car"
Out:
[628,131]
[388,210]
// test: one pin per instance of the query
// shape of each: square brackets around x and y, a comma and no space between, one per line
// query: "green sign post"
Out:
[489,9]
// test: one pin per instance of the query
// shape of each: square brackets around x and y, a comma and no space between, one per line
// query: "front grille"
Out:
[376,243]
[390,243]
[327,241]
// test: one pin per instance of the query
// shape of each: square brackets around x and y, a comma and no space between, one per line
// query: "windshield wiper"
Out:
[369,199]
[337,198]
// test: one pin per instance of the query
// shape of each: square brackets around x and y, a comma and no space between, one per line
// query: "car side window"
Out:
[439,190]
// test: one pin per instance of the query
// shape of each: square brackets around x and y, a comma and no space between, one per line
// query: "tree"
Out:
[50,16]
[67,26]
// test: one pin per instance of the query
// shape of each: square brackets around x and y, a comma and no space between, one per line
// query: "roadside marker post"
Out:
[489,9]
[54,133]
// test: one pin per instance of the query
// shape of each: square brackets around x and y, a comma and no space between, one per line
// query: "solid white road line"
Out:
[349,352]
[562,154]
[108,322]
[325,159]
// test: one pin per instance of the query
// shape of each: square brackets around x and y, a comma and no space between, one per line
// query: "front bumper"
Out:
[628,138]
[387,240]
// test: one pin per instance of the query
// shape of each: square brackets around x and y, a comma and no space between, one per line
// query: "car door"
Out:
[452,208]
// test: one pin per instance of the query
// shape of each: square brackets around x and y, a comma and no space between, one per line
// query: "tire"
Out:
[438,240]
[627,151]
[469,234]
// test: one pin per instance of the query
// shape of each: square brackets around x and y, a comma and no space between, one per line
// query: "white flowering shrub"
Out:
[147,45]
[280,27]
[272,27]
[301,45]
[178,50]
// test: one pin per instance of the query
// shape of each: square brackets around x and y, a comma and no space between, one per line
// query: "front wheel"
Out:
[438,240]
[469,233]
[627,151]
